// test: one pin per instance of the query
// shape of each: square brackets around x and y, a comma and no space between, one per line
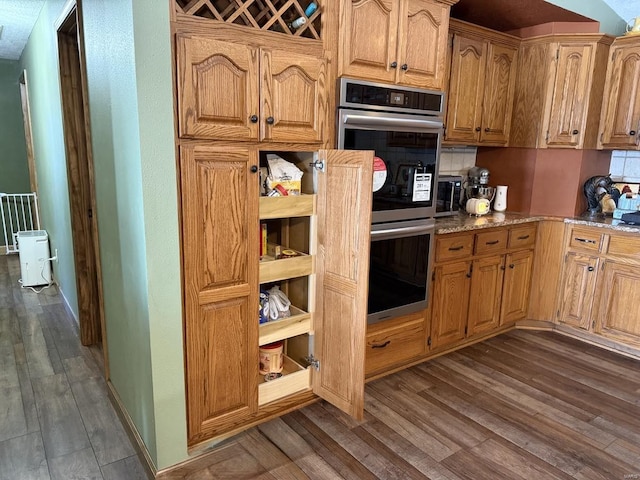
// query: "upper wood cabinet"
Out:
[620,120]
[481,85]
[559,91]
[395,41]
[237,91]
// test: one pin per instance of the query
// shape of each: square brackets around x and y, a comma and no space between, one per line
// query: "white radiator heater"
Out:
[35,263]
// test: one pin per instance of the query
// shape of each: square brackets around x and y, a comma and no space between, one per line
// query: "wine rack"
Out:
[292,17]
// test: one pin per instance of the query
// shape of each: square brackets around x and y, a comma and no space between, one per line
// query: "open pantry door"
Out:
[345,179]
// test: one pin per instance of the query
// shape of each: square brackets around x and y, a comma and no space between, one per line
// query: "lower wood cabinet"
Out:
[476,293]
[600,283]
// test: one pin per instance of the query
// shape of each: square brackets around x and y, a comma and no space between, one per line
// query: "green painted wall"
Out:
[13,159]
[40,60]
[128,56]
[610,21]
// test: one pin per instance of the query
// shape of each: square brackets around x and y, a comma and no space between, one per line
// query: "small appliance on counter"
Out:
[477,192]
[449,195]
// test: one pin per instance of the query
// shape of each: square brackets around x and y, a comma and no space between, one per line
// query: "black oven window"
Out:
[404,154]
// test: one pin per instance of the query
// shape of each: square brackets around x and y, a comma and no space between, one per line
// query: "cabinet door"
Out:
[517,282]
[486,290]
[217,89]
[620,122]
[618,313]
[342,270]
[466,89]
[368,39]
[220,265]
[578,289]
[294,98]
[450,303]
[568,107]
[422,44]
[499,88]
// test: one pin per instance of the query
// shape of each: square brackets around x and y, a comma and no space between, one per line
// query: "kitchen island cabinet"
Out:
[620,120]
[395,41]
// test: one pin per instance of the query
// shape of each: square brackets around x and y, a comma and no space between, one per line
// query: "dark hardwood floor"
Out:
[524,405]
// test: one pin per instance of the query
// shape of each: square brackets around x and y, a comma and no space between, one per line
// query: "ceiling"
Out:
[17,17]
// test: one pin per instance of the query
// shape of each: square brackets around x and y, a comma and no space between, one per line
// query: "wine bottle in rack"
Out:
[297,23]
[313,6]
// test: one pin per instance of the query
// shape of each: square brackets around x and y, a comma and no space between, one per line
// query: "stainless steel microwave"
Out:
[449,195]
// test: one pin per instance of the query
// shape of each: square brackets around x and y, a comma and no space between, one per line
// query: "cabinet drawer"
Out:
[452,247]
[585,239]
[522,237]
[391,346]
[494,241]
[624,245]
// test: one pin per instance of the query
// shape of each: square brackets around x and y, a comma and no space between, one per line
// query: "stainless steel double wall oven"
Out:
[404,127]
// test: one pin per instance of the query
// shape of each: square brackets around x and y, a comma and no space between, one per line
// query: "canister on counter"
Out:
[271,360]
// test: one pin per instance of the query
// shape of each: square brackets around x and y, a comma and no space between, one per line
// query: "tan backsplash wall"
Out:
[544,181]
[457,160]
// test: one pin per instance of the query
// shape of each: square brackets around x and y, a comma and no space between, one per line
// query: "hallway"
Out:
[56,421]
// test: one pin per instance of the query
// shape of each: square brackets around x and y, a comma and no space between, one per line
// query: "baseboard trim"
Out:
[132,432]
[3,250]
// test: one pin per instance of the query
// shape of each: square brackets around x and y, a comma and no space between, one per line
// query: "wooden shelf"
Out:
[298,323]
[276,270]
[273,15]
[295,378]
[289,206]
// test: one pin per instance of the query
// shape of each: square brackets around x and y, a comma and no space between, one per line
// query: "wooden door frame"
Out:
[80,175]
[26,118]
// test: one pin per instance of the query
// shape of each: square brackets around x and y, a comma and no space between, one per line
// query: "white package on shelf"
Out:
[35,266]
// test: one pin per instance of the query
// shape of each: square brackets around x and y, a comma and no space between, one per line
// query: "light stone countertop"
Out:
[463,222]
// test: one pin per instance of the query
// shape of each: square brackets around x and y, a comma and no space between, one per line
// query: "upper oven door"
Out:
[407,150]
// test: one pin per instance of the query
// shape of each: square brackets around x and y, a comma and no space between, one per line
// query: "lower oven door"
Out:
[399,268]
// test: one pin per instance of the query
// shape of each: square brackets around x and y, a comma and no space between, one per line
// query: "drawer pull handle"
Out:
[584,240]
[381,345]
[523,237]
[455,249]
[493,242]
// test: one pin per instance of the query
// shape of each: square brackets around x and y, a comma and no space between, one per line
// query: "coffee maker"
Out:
[477,187]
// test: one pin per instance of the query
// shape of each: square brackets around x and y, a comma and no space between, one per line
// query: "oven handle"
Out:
[397,232]
[364,120]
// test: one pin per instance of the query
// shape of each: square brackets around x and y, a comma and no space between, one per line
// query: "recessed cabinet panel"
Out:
[486,291]
[220,247]
[297,97]
[340,320]
[620,121]
[517,281]
[424,43]
[500,84]
[569,98]
[578,289]
[218,88]
[450,303]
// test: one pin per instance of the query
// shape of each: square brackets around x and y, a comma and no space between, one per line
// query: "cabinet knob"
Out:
[487,129]
[270,120]
[254,169]
[511,265]
[632,133]
[405,67]
[394,65]
[590,269]
[575,132]
[478,129]
[254,119]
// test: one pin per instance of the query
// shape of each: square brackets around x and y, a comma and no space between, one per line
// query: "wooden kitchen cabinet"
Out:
[483,289]
[559,91]
[395,41]
[236,91]
[481,85]
[620,120]
[221,212]
[578,288]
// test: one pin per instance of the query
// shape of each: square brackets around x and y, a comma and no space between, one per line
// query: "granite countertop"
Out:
[463,222]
